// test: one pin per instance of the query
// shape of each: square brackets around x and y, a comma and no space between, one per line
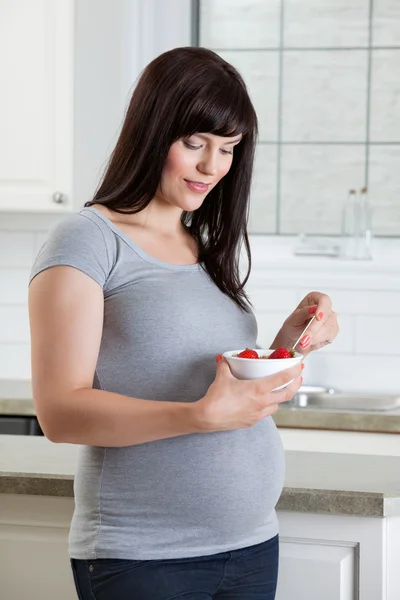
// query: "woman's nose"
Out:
[208,167]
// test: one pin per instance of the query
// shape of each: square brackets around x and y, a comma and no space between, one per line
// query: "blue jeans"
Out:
[247,574]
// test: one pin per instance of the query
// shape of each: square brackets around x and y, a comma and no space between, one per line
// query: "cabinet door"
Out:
[338,557]
[314,571]
[34,561]
[36,75]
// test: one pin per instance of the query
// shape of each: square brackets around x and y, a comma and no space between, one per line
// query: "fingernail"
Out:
[320,315]
[218,357]
[304,340]
[302,365]
[312,309]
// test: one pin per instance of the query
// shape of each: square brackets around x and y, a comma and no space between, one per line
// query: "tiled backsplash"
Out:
[324,76]
[21,236]
[366,355]
[325,79]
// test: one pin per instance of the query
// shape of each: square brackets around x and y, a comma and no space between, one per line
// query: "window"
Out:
[324,76]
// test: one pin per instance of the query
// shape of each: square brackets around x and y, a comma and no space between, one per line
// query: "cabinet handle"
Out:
[59,198]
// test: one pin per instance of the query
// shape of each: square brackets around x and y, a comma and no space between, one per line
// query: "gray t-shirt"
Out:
[191,495]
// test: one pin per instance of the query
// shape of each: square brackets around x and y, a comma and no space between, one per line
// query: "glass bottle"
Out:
[349,226]
[364,227]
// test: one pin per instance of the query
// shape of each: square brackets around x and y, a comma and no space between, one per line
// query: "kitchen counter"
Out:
[297,418]
[324,483]
[387,421]
[16,400]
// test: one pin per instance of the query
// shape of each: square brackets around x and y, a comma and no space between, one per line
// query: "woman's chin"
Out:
[191,204]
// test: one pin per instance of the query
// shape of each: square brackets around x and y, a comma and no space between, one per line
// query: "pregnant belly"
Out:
[219,481]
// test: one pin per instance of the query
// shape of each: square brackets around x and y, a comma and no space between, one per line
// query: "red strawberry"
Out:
[282,353]
[248,354]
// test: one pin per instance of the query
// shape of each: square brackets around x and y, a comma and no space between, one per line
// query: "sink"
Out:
[328,399]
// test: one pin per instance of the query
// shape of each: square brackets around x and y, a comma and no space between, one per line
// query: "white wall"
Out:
[366,355]
[366,296]
[113,42]
[19,244]
[324,78]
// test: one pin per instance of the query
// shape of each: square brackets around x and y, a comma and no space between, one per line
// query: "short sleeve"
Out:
[78,242]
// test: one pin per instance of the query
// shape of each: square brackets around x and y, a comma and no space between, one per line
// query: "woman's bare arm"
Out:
[66,320]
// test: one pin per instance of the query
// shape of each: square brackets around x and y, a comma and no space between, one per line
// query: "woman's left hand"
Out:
[323,330]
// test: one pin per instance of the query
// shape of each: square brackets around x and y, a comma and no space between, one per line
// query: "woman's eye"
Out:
[191,146]
[226,151]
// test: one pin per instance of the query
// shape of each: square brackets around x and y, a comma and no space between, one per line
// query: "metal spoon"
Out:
[303,332]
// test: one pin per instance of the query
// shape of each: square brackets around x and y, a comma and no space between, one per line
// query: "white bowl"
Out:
[254,368]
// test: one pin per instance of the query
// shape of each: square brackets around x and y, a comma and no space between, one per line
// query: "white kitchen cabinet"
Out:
[36,105]
[34,560]
[67,71]
[314,570]
[338,557]
[339,523]
[322,557]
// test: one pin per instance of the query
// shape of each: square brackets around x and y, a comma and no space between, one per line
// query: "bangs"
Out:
[225,111]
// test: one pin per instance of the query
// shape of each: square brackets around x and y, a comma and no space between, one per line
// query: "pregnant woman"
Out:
[131,300]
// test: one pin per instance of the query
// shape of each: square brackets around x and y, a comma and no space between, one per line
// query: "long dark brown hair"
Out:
[182,92]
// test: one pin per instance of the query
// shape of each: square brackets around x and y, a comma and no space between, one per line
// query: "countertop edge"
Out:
[286,417]
[360,422]
[338,502]
[37,485]
[317,501]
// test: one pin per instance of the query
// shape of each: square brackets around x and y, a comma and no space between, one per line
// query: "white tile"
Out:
[14,324]
[323,273]
[262,217]
[324,96]
[29,221]
[314,184]
[14,286]
[271,298]
[16,249]
[386,23]
[326,23]
[238,24]
[378,335]
[354,373]
[268,326]
[385,96]
[364,302]
[15,361]
[260,71]
[384,188]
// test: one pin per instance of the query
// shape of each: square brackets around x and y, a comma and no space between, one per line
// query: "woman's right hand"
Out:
[232,403]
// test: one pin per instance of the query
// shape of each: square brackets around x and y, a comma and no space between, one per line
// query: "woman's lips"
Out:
[196,186]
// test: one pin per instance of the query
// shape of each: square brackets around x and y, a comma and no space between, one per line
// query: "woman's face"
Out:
[193,167]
